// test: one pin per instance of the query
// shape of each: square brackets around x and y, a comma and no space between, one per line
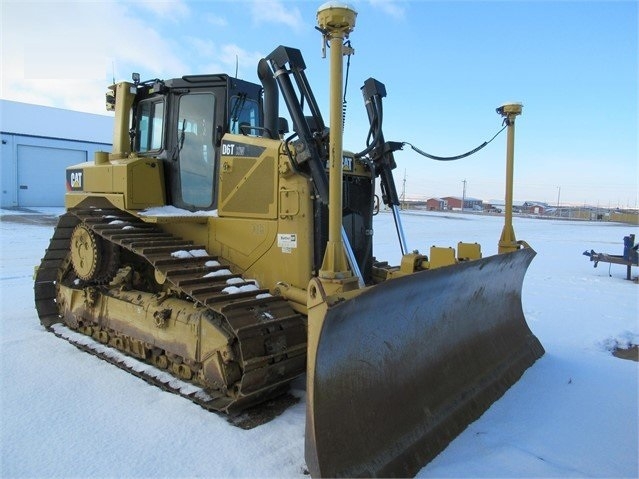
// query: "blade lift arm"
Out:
[312,139]
[381,153]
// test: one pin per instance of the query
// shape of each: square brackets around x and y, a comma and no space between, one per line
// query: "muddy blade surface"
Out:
[406,366]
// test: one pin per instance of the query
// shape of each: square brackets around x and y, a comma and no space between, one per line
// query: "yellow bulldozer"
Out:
[216,246]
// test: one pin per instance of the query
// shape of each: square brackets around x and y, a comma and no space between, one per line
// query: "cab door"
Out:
[196,159]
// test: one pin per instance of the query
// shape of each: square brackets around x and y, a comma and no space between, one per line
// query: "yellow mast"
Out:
[336,20]
[508,242]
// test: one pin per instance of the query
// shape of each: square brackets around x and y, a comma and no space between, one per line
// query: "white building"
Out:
[38,143]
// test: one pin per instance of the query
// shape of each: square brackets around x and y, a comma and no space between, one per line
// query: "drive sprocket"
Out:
[93,259]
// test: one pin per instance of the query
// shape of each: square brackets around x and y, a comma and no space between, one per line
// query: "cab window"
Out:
[244,115]
[150,119]
[196,114]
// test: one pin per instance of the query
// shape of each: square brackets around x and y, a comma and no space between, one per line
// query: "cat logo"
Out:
[74,180]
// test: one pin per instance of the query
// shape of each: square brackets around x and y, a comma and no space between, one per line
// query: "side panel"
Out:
[242,242]
[248,177]
[265,224]
[138,181]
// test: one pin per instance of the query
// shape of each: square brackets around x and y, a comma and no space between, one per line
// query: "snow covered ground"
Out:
[65,413]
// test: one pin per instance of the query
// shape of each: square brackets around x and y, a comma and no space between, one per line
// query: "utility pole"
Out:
[404,192]
[463,195]
[558,196]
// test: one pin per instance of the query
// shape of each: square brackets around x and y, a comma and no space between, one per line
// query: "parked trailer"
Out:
[630,257]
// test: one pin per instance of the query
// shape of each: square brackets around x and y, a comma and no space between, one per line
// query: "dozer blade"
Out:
[400,370]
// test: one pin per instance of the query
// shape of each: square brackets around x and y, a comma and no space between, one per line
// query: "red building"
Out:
[535,207]
[455,203]
[436,204]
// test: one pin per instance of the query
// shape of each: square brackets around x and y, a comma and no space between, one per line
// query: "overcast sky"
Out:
[446,66]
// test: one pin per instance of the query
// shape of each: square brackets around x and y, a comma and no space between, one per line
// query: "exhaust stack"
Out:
[271,99]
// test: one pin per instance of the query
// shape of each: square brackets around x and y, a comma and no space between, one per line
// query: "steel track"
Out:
[251,319]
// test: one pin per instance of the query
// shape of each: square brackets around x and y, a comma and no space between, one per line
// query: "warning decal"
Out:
[287,242]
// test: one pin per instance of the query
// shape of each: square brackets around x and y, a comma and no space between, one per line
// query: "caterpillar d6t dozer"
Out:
[232,257]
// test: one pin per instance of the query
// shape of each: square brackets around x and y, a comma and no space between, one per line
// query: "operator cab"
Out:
[182,121]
